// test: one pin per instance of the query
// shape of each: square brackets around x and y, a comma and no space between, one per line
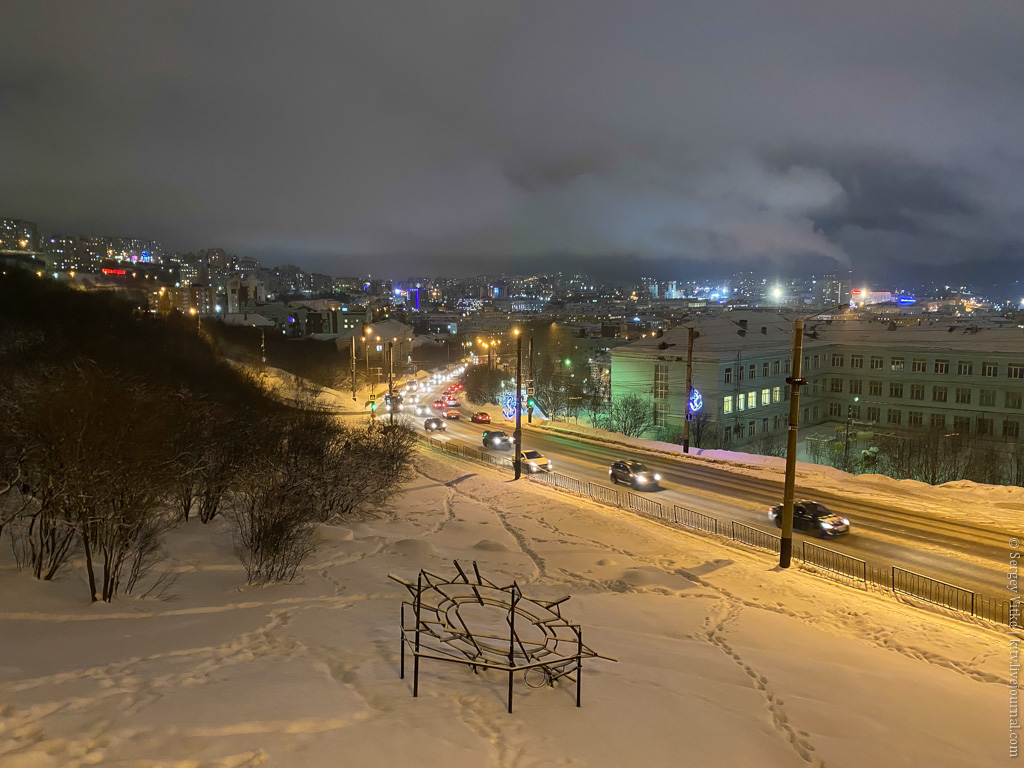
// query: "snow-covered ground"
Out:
[723,660]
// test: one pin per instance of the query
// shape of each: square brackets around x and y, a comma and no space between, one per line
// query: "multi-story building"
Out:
[241,291]
[19,235]
[933,375]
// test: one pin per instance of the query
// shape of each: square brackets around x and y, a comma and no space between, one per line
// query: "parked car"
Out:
[813,517]
[434,424]
[495,439]
[481,418]
[451,413]
[534,461]
[633,473]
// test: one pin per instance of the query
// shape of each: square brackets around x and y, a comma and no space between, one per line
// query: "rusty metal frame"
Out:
[440,633]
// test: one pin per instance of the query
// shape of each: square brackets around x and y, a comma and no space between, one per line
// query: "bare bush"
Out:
[631,415]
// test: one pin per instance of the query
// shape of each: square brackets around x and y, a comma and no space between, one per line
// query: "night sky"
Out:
[883,136]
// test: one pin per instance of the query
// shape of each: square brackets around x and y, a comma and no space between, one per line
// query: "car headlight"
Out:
[641,479]
[657,477]
[825,525]
[533,464]
[845,521]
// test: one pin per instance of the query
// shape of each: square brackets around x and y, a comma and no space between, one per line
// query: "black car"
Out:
[634,473]
[495,439]
[434,425]
[813,517]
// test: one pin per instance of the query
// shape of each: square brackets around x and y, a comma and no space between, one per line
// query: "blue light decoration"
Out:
[905,300]
[696,401]
[508,407]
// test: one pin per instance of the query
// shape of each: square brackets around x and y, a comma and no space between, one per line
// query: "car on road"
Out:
[434,424]
[452,402]
[534,461]
[496,439]
[633,473]
[439,404]
[481,418]
[422,409]
[814,518]
[451,413]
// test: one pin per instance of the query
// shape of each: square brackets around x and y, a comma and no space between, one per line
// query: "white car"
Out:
[534,461]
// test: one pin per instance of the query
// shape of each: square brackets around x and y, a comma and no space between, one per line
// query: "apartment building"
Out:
[931,375]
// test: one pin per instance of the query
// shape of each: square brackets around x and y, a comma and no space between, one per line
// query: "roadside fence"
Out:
[822,560]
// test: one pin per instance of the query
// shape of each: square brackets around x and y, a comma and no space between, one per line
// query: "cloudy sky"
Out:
[677,137]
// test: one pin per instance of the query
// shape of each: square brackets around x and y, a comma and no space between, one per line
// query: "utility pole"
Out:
[846,445]
[689,389]
[353,366]
[263,345]
[795,382]
[529,411]
[391,369]
[517,436]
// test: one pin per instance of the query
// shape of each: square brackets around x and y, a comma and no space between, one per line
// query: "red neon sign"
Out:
[120,272]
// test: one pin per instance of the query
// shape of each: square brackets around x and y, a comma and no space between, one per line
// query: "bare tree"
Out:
[630,415]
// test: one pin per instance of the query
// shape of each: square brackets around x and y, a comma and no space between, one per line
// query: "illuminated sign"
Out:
[905,300]
[696,401]
[508,407]
[855,292]
[120,272]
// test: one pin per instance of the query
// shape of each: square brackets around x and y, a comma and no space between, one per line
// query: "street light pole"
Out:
[353,366]
[391,399]
[517,436]
[689,389]
[529,411]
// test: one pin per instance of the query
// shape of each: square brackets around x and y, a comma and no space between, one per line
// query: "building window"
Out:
[835,409]
[764,370]
[896,364]
[776,394]
[938,394]
[856,386]
[777,367]
[990,369]
[962,425]
[963,395]
[741,402]
[853,411]
[660,381]
[835,384]
[816,359]
[764,425]
[775,422]
[766,396]
[727,404]
[1015,371]
[728,435]
[942,366]
[918,365]
[752,400]
[817,411]
[938,421]
[875,388]
[987,397]
[856,361]
[874,413]
[894,416]
[837,360]
[1011,429]
[750,429]
[984,426]
[895,389]
[789,366]
[915,418]
[785,391]
[728,375]
[917,391]
[739,372]
[1014,399]
[876,363]
[753,372]
[660,414]
[965,368]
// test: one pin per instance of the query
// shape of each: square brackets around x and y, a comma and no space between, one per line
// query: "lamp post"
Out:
[846,445]
[795,381]
[529,411]
[391,370]
[517,436]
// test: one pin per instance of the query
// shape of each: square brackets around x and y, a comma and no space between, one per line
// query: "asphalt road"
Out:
[969,555]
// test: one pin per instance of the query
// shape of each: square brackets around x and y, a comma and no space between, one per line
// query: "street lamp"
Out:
[517,435]
[795,382]
[846,446]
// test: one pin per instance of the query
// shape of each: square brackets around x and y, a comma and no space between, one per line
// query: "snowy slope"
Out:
[723,661]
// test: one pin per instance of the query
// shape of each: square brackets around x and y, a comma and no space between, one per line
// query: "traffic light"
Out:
[529,401]
[373,407]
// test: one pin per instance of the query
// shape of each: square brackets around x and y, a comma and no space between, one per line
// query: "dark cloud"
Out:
[467,136]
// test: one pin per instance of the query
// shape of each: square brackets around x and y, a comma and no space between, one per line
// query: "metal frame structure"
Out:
[545,647]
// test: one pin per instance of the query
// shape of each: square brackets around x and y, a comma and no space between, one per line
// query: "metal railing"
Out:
[932,590]
[640,503]
[755,537]
[836,562]
[695,520]
[892,578]
[604,494]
